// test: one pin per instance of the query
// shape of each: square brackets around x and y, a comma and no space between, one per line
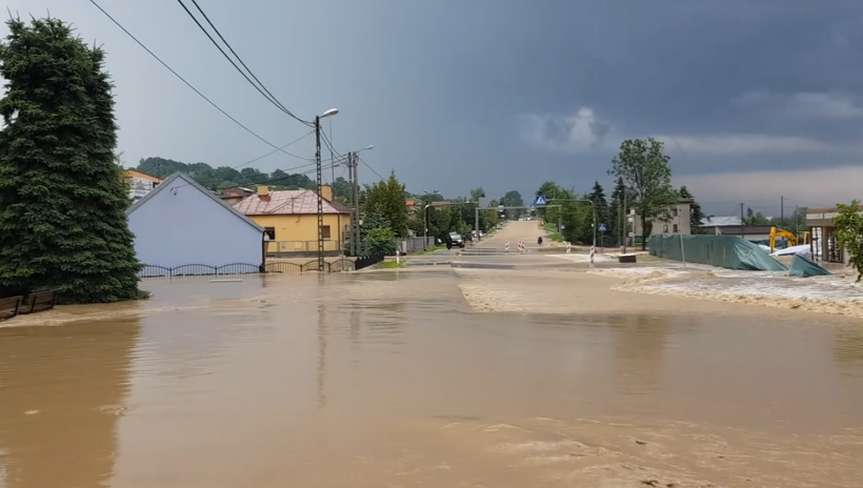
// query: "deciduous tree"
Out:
[387,199]
[849,233]
[643,165]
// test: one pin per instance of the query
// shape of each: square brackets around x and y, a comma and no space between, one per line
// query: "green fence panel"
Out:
[804,268]
[730,252]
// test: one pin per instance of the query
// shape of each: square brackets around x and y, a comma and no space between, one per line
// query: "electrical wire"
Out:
[259,86]
[281,178]
[260,83]
[274,151]
[329,144]
[191,86]
[371,168]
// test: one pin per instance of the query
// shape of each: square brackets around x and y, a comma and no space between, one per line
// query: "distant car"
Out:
[455,239]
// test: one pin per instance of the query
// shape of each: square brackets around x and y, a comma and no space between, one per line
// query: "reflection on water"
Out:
[322,355]
[386,379]
[62,392]
[640,343]
[848,350]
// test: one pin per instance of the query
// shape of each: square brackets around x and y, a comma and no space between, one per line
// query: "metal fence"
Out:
[414,244]
[366,261]
[283,267]
[156,271]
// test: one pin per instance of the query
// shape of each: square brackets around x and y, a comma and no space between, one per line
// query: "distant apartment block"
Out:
[674,221]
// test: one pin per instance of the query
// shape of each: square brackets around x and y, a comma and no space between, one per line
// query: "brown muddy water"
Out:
[390,380]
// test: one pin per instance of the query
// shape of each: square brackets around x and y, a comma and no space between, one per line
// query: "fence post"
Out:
[682,251]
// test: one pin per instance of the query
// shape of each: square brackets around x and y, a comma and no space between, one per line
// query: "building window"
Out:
[271,232]
[674,212]
[675,228]
[325,231]
[665,229]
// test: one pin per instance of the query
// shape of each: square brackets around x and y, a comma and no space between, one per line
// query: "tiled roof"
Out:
[287,202]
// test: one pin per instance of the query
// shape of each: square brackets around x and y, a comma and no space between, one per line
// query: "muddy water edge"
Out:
[391,379]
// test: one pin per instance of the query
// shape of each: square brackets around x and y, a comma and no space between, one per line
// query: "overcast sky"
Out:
[753,99]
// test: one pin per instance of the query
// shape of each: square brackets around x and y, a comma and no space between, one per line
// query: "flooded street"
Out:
[391,379]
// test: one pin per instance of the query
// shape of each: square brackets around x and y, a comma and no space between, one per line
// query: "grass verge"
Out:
[553,234]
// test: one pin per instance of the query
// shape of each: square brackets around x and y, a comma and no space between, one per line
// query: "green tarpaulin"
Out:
[805,268]
[725,251]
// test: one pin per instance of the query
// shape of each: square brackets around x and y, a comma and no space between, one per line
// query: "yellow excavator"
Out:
[777,232]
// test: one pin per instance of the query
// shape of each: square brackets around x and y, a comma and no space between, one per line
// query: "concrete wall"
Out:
[180,225]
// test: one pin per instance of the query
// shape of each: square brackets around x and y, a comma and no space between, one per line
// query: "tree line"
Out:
[642,181]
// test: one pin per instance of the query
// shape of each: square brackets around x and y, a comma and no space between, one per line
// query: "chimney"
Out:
[264,192]
[327,192]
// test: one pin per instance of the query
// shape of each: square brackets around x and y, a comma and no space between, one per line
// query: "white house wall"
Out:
[180,225]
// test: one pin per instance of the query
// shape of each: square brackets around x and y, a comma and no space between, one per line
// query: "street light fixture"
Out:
[328,113]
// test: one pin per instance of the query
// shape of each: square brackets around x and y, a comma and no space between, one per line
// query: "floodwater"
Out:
[390,380]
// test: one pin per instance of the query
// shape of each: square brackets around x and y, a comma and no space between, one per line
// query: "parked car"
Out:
[455,239]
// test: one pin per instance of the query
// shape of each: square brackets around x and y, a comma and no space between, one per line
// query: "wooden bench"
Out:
[9,307]
[38,301]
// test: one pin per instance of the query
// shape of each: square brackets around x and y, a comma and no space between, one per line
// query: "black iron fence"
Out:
[284,267]
[155,271]
[368,260]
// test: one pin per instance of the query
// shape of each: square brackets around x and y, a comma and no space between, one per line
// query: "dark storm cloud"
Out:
[501,94]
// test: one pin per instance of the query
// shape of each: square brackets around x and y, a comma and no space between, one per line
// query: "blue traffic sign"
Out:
[603,228]
[540,200]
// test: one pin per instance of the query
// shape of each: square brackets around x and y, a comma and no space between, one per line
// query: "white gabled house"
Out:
[182,223]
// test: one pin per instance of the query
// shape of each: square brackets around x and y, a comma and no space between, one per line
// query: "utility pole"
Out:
[742,235]
[782,210]
[624,232]
[332,161]
[476,220]
[319,175]
[355,221]
[320,198]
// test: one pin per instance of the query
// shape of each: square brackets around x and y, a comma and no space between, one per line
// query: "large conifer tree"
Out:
[62,198]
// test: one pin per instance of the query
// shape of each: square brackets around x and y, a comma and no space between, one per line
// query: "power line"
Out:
[259,86]
[330,145]
[274,151]
[371,168]
[281,178]
[190,85]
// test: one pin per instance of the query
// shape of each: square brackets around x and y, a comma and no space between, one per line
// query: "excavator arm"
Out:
[776,233]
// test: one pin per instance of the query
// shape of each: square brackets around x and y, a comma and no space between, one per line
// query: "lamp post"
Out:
[328,113]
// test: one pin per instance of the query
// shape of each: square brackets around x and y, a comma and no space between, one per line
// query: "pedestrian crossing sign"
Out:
[540,200]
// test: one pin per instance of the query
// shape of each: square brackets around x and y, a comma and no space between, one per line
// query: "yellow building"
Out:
[290,220]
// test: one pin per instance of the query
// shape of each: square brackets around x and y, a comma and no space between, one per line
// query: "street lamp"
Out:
[328,113]
[425,213]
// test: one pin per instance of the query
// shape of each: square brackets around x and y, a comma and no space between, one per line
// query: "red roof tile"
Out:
[287,202]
